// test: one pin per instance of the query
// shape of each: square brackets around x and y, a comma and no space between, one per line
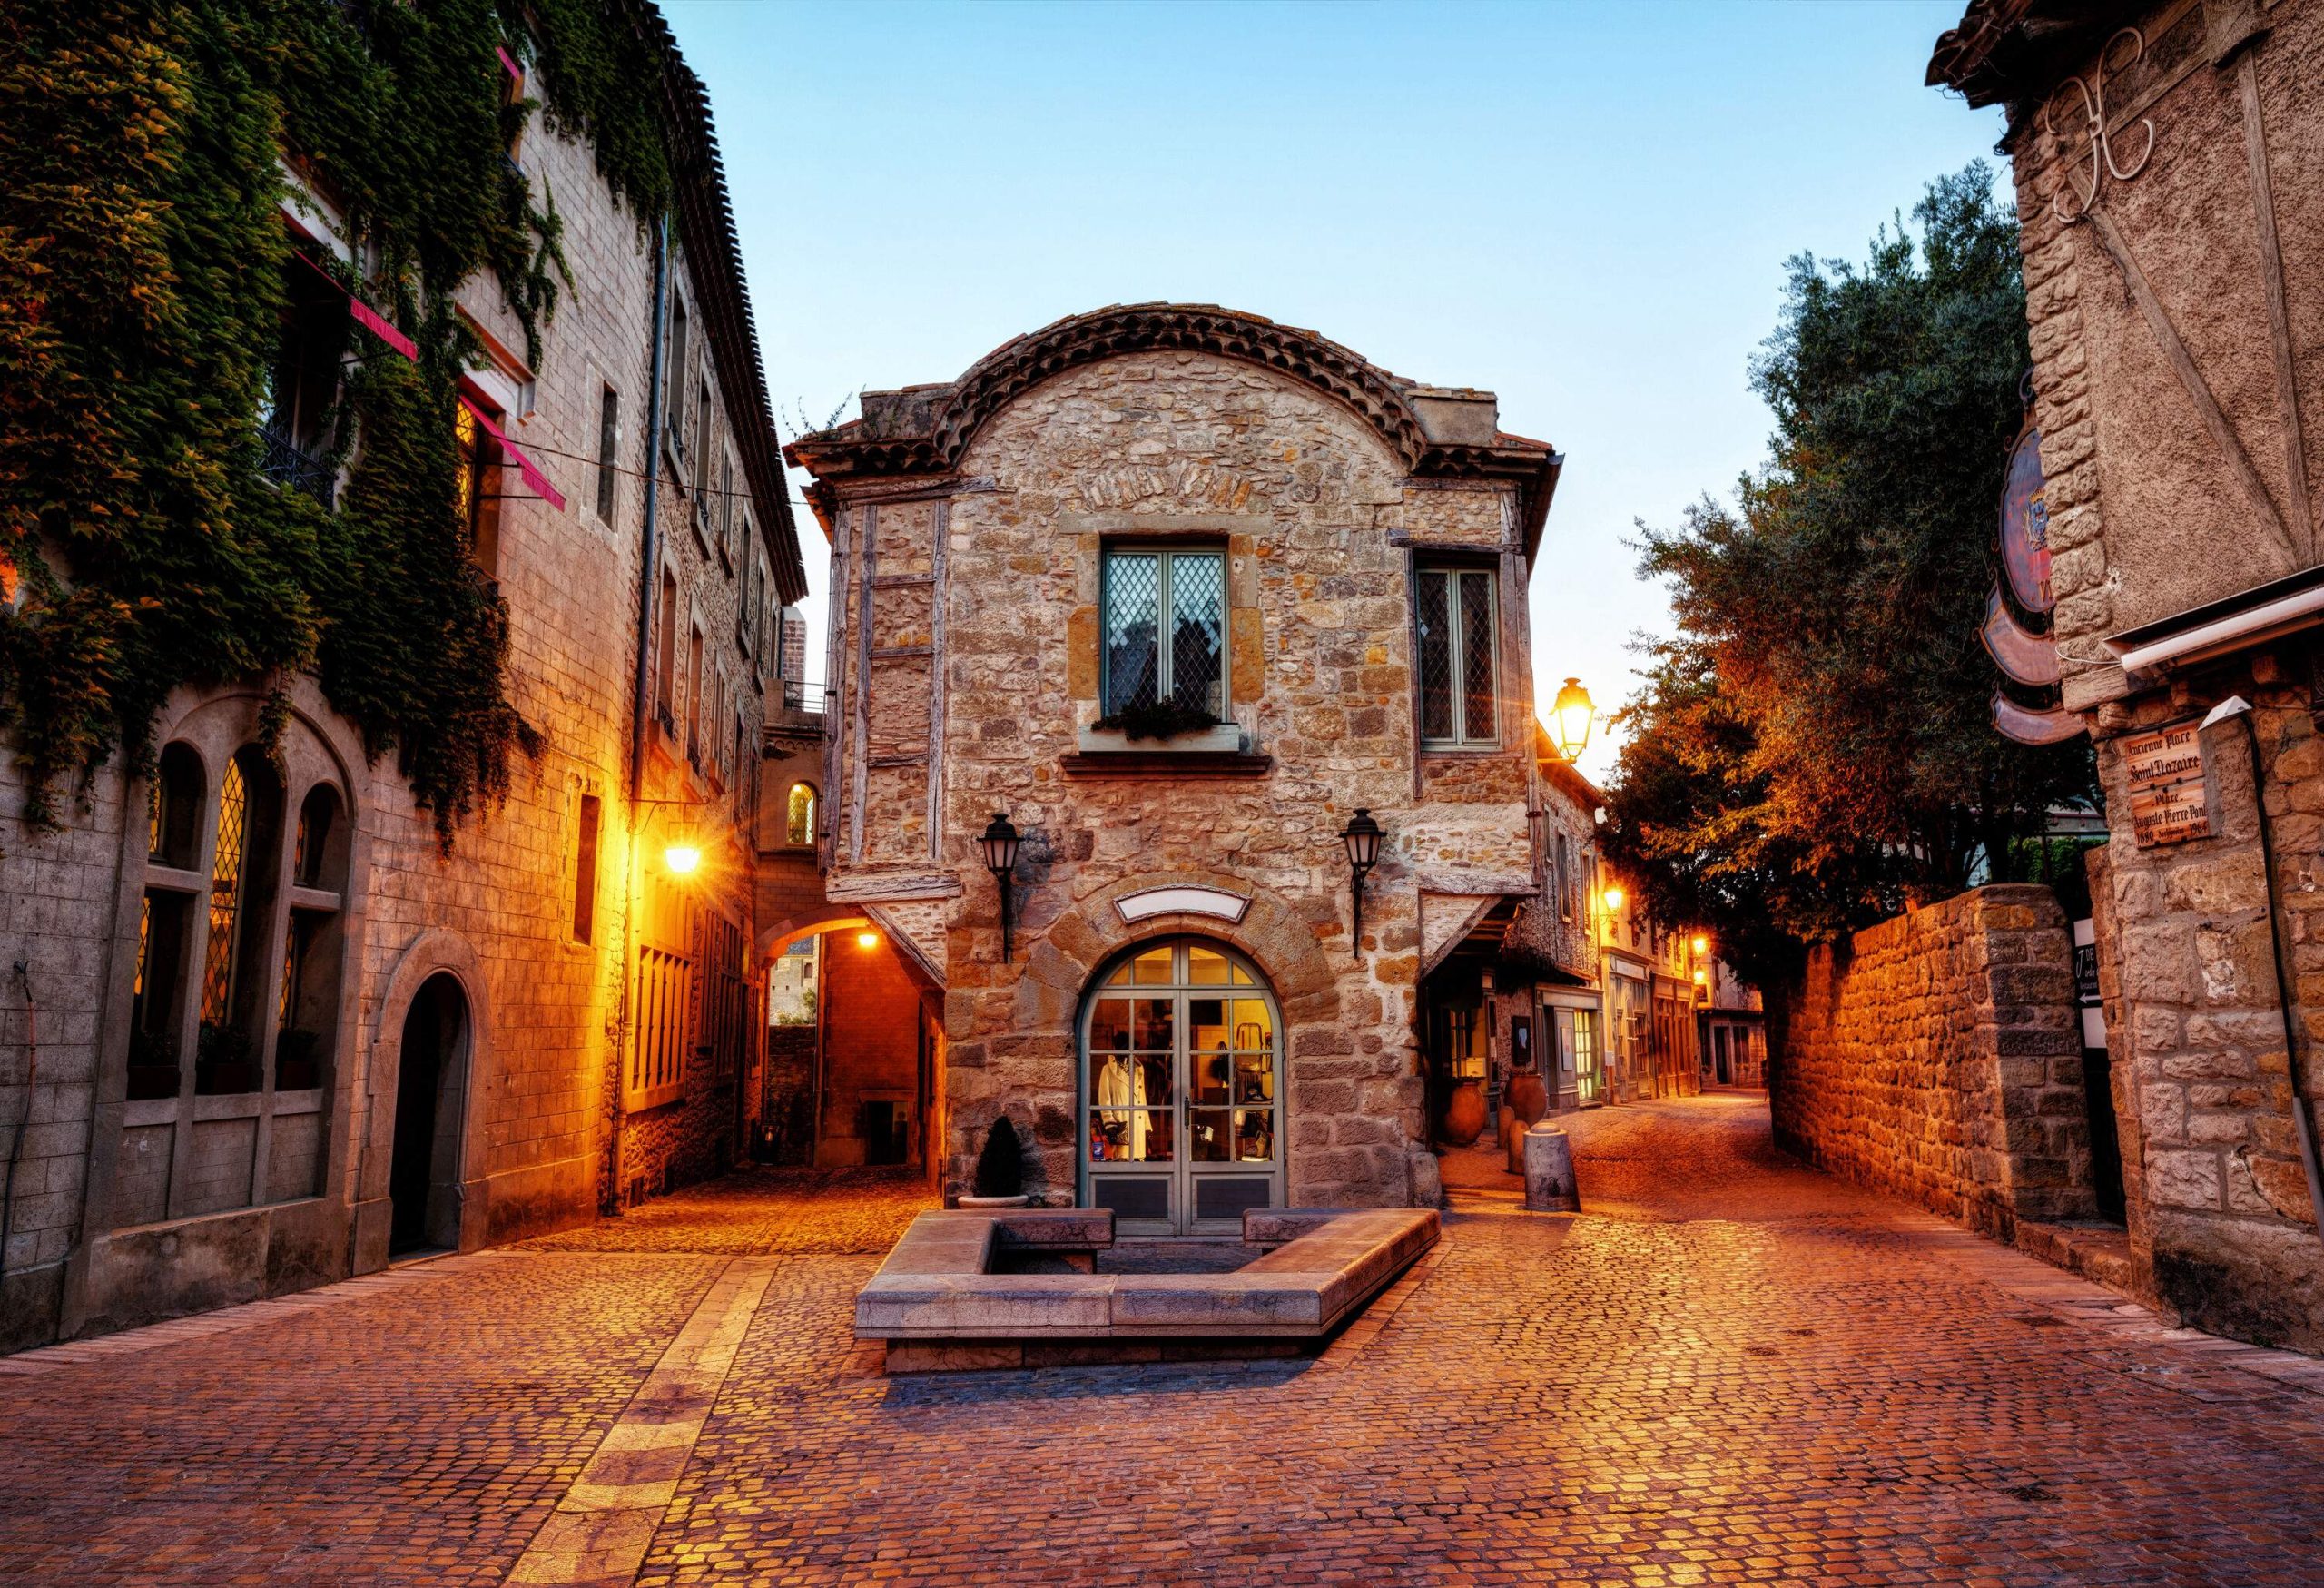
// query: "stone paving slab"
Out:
[1728,1368]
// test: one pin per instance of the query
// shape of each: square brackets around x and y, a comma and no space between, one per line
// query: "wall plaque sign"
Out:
[2169,785]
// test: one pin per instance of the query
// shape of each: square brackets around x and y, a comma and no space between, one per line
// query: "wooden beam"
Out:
[2271,277]
[2198,391]
[937,596]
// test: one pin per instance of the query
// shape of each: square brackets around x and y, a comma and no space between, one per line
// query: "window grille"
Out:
[664,1005]
[1457,660]
[1166,631]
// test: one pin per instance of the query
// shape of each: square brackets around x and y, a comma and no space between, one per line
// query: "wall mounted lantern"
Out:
[682,858]
[998,846]
[1569,714]
[1362,835]
[1614,897]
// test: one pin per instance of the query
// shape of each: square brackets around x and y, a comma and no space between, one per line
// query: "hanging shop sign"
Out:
[2028,658]
[2025,524]
[2169,785]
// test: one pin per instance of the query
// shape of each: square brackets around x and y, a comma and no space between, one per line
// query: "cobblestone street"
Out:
[1729,1368]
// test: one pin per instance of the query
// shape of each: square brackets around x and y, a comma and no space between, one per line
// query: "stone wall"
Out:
[2221,1224]
[971,524]
[1310,508]
[1936,1056]
[2169,393]
[114,1222]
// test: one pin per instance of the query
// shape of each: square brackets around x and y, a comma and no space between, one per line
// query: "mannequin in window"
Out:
[1121,1084]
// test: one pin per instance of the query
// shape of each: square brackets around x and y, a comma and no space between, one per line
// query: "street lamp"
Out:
[998,846]
[1362,835]
[1571,712]
[682,857]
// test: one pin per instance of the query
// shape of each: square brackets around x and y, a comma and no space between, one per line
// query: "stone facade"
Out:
[1934,1056]
[971,524]
[157,1179]
[2176,313]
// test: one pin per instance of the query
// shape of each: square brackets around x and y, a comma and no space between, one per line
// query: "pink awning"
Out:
[367,317]
[525,466]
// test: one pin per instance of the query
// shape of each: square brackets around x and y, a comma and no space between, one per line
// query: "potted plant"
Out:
[1000,1169]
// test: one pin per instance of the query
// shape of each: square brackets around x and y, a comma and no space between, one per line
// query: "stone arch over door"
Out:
[1180,1072]
[1352,1107]
[436,951]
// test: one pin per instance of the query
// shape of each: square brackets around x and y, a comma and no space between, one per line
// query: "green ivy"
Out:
[141,263]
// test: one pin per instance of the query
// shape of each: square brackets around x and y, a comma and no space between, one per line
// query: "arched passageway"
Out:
[431,1092]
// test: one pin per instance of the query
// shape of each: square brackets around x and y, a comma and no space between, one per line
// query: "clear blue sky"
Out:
[1584,208]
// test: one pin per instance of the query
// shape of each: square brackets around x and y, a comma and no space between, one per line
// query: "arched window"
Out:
[242,885]
[1182,1055]
[799,822]
[241,949]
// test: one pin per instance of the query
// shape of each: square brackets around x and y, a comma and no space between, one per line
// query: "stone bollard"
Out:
[1549,1171]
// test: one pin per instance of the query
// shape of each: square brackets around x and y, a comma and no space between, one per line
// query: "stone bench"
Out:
[938,1303]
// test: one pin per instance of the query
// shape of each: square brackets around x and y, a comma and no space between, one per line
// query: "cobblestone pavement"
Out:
[1729,1368]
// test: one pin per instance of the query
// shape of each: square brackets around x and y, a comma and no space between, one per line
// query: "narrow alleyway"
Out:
[1729,1368]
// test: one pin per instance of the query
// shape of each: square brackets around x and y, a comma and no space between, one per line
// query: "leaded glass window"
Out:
[1458,667]
[1166,631]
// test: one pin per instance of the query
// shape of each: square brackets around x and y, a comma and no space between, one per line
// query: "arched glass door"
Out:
[1182,1062]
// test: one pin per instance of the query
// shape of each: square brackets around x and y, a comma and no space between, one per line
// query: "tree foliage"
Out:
[142,263]
[1814,749]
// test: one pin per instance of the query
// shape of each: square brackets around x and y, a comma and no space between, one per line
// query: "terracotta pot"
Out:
[1528,1096]
[1464,1114]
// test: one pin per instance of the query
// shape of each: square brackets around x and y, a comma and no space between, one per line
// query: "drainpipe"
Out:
[2303,1122]
[642,697]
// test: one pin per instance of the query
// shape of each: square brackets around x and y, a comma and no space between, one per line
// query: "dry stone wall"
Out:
[1936,1056]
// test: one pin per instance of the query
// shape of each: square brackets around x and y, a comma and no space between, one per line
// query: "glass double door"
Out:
[1181,1091]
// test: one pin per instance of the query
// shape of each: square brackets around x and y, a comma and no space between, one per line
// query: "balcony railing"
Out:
[286,463]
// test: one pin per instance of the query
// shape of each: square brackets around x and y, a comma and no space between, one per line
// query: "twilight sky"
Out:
[1584,208]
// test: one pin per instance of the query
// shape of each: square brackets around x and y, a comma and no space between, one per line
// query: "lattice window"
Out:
[1166,631]
[1459,664]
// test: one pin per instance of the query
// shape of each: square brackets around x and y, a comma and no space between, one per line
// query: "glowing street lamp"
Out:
[682,859]
[1615,898]
[1570,715]
[867,940]
[1702,945]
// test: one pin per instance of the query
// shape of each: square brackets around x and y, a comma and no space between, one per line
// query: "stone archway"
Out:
[1353,1107]
[433,954]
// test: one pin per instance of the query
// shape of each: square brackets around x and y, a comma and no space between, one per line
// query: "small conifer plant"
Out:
[1001,1167]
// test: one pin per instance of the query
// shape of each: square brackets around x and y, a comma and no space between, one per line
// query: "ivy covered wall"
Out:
[144,263]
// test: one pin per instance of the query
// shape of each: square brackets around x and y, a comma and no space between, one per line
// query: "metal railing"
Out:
[286,463]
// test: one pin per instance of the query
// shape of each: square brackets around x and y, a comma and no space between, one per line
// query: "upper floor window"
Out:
[1457,663]
[295,419]
[1165,630]
[726,511]
[799,814]
[476,483]
[608,451]
[674,392]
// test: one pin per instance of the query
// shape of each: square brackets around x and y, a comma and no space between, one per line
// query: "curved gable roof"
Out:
[927,429]
[1015,367]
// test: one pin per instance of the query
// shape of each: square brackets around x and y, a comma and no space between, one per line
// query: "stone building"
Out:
[1177,591]
[2169,162]
[283,1036]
